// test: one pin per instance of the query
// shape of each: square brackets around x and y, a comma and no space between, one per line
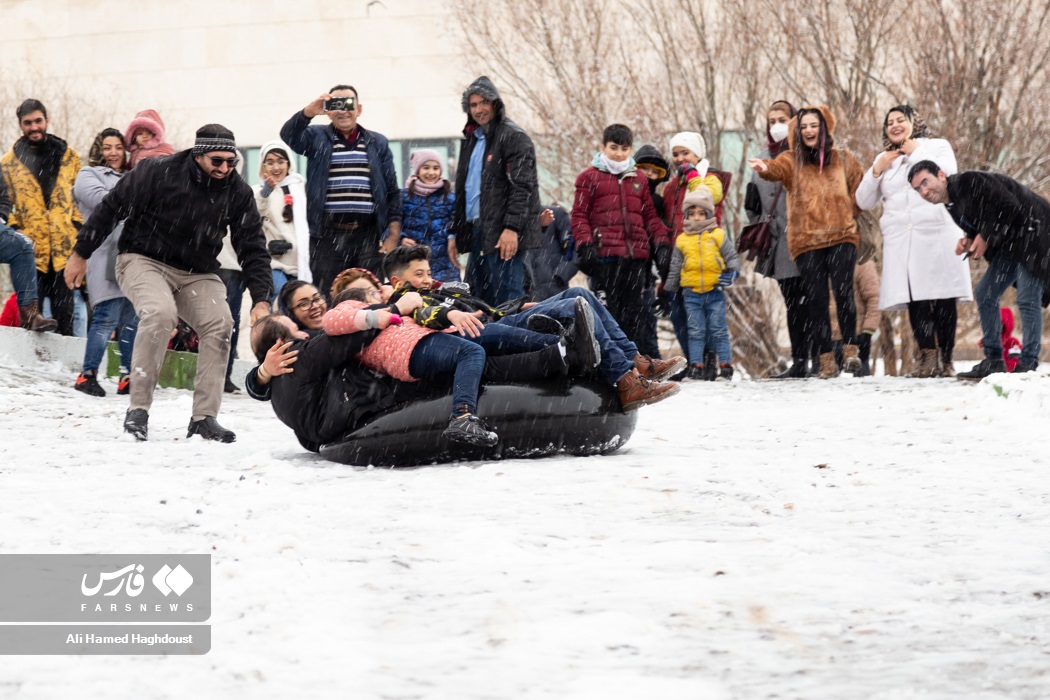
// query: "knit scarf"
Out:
[422,187]
[702,226]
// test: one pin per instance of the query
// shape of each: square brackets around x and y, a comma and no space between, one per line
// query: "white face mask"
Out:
[779,131]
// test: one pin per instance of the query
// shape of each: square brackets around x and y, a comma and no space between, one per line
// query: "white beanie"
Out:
[695,143]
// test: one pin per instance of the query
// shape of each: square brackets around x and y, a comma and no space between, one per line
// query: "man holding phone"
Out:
[353,199]
[1010,225]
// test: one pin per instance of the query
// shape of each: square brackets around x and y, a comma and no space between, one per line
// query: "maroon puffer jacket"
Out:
[616,215]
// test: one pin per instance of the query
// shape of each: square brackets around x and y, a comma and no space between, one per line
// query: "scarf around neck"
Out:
[702,226]
[422,187]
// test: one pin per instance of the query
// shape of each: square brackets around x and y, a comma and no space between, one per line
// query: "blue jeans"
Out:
[113,314]
[17,251]
[80,315]
[504,339]
[444,353]
[617,349]
[706,315]
[279,280]
[234,281]
[1000,275]
[495,280]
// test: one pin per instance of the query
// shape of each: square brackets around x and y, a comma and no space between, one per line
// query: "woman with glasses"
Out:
[305,304]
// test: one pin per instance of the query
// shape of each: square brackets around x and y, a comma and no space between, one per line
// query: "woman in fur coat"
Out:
[820,181]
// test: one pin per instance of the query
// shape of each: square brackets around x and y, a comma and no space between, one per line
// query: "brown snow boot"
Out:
[829,369]
[850,359]
[929,364]
[657,369]
[33,320]
[636,391]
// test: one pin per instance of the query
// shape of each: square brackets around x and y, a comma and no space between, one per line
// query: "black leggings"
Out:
[794,293]
[933,324]
[816,267]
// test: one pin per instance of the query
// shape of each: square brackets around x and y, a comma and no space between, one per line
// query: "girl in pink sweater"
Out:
[406,351]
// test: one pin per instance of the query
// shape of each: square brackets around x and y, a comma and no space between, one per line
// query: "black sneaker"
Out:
[694,373]
[135,422]
[231,388]
[209,429]
[540,323]
[1025,366]
[726,372]
[87,382]
[983,369]
[469,429]
[710,366]
[583,352]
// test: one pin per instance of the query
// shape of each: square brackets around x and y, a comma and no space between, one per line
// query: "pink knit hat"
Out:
[418,158]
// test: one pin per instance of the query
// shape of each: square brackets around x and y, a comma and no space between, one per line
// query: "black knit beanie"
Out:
[214,137]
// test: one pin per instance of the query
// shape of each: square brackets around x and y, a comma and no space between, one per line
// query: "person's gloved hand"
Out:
[663,302]
[728,277]
[278,247]
[587,259]
[686,168]
[662,258]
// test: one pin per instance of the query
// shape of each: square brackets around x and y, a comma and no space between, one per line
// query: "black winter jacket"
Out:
[510,195]
[177,215]
[330,393]
[1012,219]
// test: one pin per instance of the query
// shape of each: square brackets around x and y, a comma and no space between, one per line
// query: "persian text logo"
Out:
[130,578]
[168,580]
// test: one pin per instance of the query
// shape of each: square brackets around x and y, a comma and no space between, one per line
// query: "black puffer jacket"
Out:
[510,196]
[177,215]
[330,393]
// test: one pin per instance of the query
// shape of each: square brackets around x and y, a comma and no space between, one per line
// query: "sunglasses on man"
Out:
[216,161]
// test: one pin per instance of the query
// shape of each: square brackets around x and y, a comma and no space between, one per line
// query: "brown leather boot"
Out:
[829,369]
[636,391]
[657,369]
[929,364]
[33,320]
[850,359]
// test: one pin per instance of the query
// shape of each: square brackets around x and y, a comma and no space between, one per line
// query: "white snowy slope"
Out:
[881,538]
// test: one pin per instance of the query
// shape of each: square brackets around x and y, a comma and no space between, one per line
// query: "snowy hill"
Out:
[879,538]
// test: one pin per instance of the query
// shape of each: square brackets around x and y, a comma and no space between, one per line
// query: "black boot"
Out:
[583,353]
[135,422]
[983,369]
[864,344]
[797,370]
[209,429]
[541,323]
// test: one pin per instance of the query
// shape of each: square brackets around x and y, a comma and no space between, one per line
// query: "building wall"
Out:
[248,64]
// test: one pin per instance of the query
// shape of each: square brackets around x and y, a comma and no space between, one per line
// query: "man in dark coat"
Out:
[1010,225]
[176,212]
[548,266]
[497,210]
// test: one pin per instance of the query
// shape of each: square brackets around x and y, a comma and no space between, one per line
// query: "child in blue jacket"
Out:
[426,202]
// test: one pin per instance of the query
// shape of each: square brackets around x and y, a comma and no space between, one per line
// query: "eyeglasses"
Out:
[216,161]
[374,293]
[307,303]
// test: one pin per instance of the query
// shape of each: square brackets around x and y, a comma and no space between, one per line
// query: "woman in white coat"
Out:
[920,269]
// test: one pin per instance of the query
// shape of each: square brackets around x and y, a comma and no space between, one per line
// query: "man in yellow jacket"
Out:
[39,172]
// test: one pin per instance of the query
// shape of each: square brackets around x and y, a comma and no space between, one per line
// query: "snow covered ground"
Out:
[881,538]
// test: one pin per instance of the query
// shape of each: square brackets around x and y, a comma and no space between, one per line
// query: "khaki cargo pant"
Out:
[161,295]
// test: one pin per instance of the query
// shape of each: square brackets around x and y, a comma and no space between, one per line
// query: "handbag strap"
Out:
[776,198]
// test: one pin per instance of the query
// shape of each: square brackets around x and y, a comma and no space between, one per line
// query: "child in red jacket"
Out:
[618,232]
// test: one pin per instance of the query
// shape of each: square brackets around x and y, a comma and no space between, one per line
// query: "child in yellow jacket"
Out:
[703,263]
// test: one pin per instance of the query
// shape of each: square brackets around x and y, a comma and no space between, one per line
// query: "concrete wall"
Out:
[248,64]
